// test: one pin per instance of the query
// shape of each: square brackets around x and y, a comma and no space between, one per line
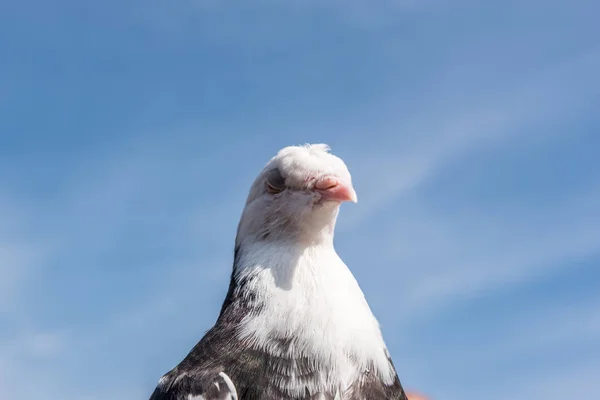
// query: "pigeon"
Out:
[294,324]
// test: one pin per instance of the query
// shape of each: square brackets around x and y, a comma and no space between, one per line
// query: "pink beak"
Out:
[332,189]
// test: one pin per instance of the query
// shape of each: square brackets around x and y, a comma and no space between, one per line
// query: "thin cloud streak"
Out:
[471,259]
[508,350]
[558,94]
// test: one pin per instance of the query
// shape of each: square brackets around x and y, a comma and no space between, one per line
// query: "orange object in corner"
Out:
[415,396]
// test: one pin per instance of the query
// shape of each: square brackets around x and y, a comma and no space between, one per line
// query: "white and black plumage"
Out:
[294,324]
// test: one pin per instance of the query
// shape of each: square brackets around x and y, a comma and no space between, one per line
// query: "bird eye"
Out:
[275,181]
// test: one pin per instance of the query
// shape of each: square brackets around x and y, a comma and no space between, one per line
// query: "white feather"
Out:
[311,295]
[232,392]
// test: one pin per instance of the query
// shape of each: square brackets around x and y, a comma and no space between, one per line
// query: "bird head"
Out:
[297,195]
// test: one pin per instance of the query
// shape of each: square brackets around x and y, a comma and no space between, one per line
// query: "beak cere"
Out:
[332,189]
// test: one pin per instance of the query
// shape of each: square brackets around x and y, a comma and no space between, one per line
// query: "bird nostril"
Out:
[326,183]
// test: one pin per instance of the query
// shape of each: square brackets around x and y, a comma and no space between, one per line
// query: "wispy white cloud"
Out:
[518,116]
[551,334]
[36,344]
[532,355]
[551,328]
[16,261]
[21,251]
[442,259]
[25,358]
[569,381]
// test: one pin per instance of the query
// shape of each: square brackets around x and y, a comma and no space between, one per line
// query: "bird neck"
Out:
[307,293]
[287,261]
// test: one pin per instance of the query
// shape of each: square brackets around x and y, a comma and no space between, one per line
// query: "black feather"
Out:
[255,373]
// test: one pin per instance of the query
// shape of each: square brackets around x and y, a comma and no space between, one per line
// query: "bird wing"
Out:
[207,385]
[373,388]
[370,386]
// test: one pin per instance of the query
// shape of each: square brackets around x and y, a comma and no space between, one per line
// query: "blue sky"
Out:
[130,132]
